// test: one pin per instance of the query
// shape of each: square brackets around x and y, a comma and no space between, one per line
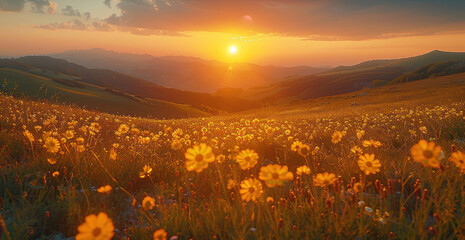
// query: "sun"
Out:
[233,49]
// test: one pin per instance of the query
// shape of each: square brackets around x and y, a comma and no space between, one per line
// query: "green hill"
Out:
[61,70]
[348,79]
[432,70]
[63,90]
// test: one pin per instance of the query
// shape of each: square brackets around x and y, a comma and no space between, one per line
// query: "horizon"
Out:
[300,33]
[52,54]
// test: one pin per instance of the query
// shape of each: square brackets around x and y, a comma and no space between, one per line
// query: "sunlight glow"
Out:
[233,49]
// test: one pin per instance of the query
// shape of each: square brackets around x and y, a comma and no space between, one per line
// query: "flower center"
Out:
[275,175]
[428,153]
[199,157]
[369,164]
[251,190]
[247,159]
[96,232]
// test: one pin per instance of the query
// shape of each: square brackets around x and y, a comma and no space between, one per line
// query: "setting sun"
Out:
[233,49]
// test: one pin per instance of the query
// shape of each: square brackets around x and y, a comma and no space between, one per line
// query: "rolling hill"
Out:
[348,79]
[60,73]
[187,73]
[61,89]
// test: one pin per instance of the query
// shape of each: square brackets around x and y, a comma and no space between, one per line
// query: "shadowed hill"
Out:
[353,78]
[125,83]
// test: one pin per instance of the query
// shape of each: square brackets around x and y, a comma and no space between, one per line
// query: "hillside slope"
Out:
[42,65]
[66,91]
[186,73]
[348,79]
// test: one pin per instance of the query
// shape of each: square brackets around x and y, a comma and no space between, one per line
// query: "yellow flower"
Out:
[52,145]
[198,157]
[231,184]
[424,130]
[176,144]
[104,189]
[368,143]
[274,175]
[123,128]
[295,146]
[146,171]
[247,159]
[360,133]
[356,150]
[148,203]
[29,135]
[270,200]
[251,189]
[368,164]
[303,170]
[459,159]
[51,160]
[56,174]
[304,150]
[324,179]
[160,234]
[336,137]
[220,158]
[113,154]
[69,134]
[426,153]
[96,228]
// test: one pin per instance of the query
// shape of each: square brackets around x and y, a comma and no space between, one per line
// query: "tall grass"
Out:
[405,200]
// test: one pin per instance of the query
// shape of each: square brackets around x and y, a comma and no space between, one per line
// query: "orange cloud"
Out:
[309,19]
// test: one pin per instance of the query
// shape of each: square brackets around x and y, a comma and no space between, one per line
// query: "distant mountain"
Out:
[63,74]
[187,73]
[347,79]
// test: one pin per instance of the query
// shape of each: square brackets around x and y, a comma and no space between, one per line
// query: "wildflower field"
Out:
[317,172]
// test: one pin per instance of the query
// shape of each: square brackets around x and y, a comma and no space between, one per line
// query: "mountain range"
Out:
[186,73]
[96,88]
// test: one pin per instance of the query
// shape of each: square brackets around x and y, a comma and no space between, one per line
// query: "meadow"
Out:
[376,164]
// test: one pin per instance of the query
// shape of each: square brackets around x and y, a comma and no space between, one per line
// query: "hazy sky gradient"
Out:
[279,32]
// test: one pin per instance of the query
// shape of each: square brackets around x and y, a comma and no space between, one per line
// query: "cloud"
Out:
[86,16]
[11,5]
[105,27]
[74,25]
[102,26]
[70,11]
[308,19]
[107,3]
[52,7]
[39,5]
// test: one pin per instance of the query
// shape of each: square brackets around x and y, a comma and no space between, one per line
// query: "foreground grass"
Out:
[48,188]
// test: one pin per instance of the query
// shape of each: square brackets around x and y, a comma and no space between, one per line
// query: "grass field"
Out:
[383,163]
[62,88]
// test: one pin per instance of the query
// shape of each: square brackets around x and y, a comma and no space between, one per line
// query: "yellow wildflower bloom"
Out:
[198,157]
[368,164]
[275,175]
[96,228]
[247,159]
[251,189]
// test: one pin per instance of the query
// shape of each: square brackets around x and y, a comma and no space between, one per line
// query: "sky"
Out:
[276,32]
